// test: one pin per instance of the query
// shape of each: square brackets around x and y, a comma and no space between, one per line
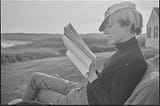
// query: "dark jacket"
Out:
[120,75]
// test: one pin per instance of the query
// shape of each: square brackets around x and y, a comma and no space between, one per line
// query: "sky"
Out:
[50,16]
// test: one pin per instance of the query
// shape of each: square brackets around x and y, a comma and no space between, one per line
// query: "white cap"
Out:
[115,8]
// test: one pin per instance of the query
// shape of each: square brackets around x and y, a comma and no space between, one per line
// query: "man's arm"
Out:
[97,87]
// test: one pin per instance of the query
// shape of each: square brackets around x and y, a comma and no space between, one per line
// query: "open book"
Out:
[78,52]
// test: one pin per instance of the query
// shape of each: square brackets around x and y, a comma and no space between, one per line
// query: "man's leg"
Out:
[77,96]
[40,81]
[49,97]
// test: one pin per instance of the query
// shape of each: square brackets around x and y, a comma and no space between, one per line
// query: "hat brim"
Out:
[102,26]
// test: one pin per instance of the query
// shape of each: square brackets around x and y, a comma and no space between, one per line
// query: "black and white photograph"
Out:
[79,52]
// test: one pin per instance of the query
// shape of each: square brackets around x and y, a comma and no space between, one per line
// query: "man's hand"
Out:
[92,76]
[92,72]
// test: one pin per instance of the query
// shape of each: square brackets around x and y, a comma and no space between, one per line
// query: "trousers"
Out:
[49,89]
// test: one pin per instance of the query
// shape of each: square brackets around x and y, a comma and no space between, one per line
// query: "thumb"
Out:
[92,66]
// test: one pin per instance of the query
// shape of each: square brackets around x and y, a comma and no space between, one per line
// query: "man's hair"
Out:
[127,17]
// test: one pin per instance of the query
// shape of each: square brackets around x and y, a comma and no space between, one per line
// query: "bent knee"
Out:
[35,75]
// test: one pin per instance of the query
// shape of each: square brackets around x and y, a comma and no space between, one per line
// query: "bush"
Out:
[19,57]
[141,41]
[7,58]
[149,53]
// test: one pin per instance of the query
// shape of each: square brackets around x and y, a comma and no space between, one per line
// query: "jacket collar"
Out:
[131,42]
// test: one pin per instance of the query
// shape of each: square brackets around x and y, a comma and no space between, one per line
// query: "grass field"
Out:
[15,76]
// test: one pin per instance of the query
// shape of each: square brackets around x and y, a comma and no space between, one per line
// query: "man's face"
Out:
[115,32]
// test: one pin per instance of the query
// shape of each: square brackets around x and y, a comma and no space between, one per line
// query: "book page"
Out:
[78,52]
[78,42]
[81,56]
[77,39]
[81,67]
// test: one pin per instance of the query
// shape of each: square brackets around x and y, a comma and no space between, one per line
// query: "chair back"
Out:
[147,91]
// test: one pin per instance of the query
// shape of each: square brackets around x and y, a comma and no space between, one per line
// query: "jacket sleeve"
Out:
[100,92]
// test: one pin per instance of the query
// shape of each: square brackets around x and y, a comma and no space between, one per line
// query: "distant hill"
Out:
[37,36]
[26,36]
